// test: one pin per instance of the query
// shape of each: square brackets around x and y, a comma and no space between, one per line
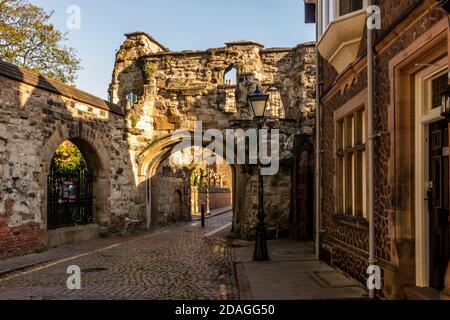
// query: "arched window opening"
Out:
[110,96]
[230,77]
[132,98]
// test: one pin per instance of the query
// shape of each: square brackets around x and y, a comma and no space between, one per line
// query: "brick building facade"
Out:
[410,71]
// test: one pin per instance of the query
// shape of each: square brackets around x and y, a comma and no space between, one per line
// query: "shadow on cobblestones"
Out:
[176,262]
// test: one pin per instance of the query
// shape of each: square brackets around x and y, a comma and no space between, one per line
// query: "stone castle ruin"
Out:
[127,141]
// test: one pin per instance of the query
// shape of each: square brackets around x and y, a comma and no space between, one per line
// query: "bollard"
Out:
[203,215]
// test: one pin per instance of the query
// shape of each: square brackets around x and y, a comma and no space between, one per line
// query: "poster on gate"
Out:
[69,191]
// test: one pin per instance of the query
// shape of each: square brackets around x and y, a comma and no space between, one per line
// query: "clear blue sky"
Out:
[177,24]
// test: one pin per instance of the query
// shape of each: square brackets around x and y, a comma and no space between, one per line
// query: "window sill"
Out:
[357,222]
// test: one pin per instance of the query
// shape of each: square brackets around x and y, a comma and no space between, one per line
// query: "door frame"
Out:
[423,118]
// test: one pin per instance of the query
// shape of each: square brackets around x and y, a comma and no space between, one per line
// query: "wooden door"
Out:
[438,196]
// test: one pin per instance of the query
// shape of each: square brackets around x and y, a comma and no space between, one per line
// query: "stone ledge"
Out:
[23,75]
[243,43]
[140,33]
[356,222]
[71,235]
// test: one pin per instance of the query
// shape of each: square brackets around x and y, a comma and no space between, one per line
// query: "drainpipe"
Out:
[371,134]
[319,30]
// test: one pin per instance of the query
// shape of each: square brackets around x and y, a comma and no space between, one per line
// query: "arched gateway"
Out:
[76,198]
[125,141]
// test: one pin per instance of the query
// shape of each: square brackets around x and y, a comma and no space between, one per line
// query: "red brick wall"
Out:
[18,240]
[218,198]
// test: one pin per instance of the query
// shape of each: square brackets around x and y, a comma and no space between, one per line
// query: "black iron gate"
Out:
[70,198]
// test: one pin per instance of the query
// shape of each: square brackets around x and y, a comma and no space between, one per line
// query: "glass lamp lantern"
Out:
[258,102]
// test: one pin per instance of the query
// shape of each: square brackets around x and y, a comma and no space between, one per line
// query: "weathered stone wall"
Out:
[345,242]
[175,89]
[126,143]
[36,116]
[173,195]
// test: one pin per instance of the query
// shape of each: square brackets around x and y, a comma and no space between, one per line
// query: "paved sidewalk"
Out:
[292,274]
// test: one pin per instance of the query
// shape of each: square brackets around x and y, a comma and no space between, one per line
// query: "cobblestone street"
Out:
[176,262]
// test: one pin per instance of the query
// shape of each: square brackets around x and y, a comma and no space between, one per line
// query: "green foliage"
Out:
[166,60]
[134,121]
[29,40]
[204,177]
[149,69]
[197,177]
[68,158]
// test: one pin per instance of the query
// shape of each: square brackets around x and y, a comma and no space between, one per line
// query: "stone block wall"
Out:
[176,89]
[173,195]
[36,116]
[126,143]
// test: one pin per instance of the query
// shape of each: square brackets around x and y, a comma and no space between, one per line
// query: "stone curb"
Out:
[241,278]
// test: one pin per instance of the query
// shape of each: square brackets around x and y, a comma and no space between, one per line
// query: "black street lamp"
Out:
[258,103]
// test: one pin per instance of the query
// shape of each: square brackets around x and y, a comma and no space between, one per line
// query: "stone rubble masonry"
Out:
[175,89]
[344,242]
[36,116]
[118,140]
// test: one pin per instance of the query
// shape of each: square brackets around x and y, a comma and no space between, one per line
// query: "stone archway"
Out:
[150,161]
[97,159]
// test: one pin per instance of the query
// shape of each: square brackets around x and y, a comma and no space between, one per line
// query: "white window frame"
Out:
[324,7]
[336,6]
[358,103]
[424,116]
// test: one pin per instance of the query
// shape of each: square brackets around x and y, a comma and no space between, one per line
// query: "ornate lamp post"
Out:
[258,103]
